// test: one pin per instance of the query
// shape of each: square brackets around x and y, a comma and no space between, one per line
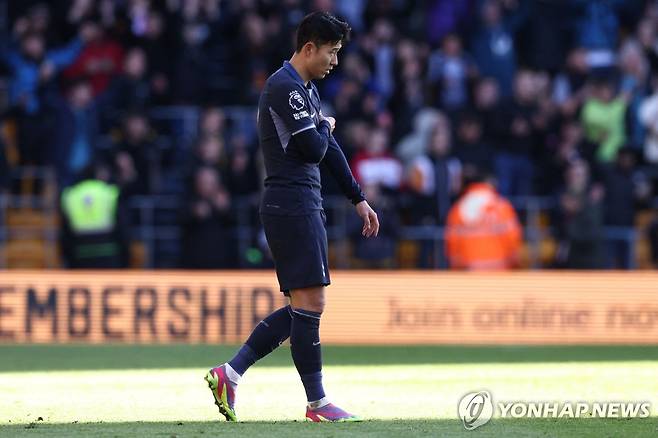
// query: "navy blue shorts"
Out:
[299,249]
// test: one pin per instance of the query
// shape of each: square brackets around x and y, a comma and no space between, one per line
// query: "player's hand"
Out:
[370,221]
[332,122]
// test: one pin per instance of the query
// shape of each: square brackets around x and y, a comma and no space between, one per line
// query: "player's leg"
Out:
[265,338]
[307,307]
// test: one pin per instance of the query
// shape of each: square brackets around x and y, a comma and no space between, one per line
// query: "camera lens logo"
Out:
[475,409]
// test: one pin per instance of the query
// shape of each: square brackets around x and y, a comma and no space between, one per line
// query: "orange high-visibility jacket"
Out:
[482,231]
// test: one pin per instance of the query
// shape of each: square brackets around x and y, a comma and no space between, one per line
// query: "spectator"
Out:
[486,106]
[648,116]
[243,177]
[471,147]
[79,11]
[190,67]
[646,36]
[256,64]
[569,84]
[40,20]
[94,231]
[448,74]
[349,100]
[376,165]
[135,156]
[445,17]
[571,145]
[352,10]
[634,69]
[33,69]
[210,151]
[409,95]
[517,139]
[383,57]
[625,188]
[482,230]
[545,35]
[208,238]
[77,131]
[433,179]
[597,29]
[33,66]
[99,61]
[212,122]
[157,48]
[580,222]
[128,91]
[436,175]
[415,143]
[603,119]
[493,44]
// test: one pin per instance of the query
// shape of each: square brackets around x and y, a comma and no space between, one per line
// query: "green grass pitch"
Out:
[117,391]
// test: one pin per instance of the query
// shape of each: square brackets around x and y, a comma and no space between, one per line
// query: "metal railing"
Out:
[153,233]
[337,211]
[43,202]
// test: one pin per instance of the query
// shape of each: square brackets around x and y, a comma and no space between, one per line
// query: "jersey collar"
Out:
[290,69]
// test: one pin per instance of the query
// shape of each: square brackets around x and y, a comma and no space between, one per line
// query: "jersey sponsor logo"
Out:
[295,100]
[300,115]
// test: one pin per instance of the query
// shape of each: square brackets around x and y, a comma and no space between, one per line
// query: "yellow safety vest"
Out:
[91,206]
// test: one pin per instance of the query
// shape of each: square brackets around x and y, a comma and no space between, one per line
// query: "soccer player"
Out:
[296,140]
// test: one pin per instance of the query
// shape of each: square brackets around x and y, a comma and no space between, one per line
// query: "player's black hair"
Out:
[321,28]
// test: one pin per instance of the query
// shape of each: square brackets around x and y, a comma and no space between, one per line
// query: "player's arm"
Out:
[313,142]
[289,106]
[336,163]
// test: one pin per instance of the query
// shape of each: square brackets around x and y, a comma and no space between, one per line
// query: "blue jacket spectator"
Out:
[493,45]
[598,24]
[77,131]
[32,65]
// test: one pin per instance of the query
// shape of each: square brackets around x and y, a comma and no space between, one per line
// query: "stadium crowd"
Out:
[552,98]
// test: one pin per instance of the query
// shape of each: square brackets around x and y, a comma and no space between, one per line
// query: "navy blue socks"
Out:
[306,351]
[266,337]
[303,327]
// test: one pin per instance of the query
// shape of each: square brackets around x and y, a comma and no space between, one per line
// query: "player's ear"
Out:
[308,48]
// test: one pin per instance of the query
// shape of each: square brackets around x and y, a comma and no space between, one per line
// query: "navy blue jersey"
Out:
[295,140]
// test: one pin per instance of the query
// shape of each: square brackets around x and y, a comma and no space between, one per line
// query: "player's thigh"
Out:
[288,236]
[299,248]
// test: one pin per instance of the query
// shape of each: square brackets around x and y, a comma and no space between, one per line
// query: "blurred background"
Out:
[128,132]
[488,134]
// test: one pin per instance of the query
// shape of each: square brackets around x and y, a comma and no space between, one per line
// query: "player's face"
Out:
[324,59]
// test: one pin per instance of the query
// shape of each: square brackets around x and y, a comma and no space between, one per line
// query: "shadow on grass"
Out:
[581,427]
[91,357]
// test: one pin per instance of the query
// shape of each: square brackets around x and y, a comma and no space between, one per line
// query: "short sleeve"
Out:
[290,108]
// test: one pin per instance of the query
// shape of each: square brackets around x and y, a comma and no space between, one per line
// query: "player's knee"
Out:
[314,304]
[312,300]
[317,304]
